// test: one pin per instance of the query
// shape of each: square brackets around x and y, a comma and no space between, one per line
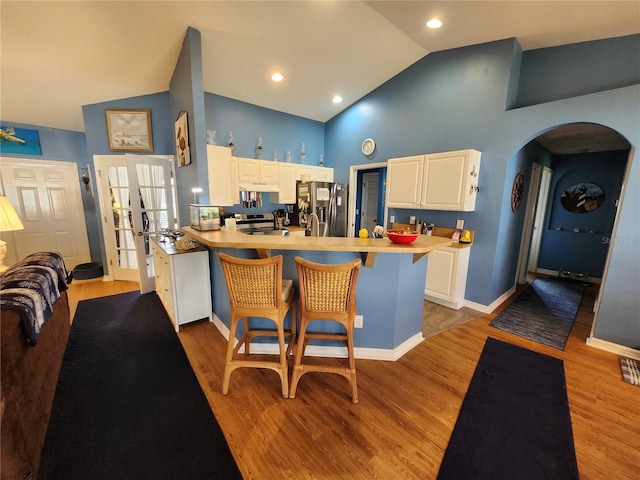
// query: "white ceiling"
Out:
[57,56]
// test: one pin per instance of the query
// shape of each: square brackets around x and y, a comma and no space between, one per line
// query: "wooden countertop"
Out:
[368,247]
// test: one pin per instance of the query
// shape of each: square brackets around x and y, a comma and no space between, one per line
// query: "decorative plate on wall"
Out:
[517,191]
[582,197]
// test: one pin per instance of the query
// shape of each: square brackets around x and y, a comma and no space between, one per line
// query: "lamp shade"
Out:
[9,219]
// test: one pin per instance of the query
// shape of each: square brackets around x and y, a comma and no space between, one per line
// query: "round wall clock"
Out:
[517,191]
[368,146]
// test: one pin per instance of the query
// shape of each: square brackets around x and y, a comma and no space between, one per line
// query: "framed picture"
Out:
[182,140]
[19,140]
[129,130]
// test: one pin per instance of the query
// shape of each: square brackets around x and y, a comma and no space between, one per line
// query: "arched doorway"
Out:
[566,238]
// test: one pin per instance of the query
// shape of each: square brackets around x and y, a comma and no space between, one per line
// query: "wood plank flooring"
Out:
[407,409]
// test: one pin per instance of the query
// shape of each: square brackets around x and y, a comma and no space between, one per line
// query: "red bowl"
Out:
[402,236]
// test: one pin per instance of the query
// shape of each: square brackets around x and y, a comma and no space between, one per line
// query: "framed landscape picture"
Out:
[129,130]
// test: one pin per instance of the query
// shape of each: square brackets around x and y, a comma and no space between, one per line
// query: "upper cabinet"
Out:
[257,175]
[315,174]
[223,183]
[286,184]
[438,181]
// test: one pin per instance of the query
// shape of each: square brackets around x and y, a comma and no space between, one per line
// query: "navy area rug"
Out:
[514,422]
[544,312]
[128,404]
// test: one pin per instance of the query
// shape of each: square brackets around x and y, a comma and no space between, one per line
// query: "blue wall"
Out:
[453,100]
[279,132]
[70,146]
[545,77]
[456,100]
[583,251]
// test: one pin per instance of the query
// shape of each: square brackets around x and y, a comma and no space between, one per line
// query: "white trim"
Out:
[353,190]
[495,304]
[362,353]
[554,273]
[613,348]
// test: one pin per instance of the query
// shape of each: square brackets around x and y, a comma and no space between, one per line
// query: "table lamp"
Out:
[9,222]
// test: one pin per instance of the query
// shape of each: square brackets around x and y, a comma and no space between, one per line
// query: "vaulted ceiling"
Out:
[57,56]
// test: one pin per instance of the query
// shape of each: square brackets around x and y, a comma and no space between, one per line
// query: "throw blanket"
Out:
[31,287]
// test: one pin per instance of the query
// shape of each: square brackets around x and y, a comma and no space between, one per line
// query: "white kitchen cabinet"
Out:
[438,181]
[286,184]
[450,181]
[183,283]
[304,170]
[223,182]
[315,174]
[404,181]
[322,174]
[252,170]
[446,278]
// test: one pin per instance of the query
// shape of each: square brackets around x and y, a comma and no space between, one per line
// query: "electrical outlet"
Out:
[459,224]
[392,219]
[359,321]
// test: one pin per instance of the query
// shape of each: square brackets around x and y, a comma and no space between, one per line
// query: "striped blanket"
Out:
[31,287]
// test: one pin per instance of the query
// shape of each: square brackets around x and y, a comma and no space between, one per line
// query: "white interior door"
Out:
[46,195]
[538,223]
[530,209]
[369,205]
[136,201]
[153,212]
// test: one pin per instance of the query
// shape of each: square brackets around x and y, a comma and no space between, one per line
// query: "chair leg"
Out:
[352,365]
[247,345]
[230,347]
[284,367]
[297,363]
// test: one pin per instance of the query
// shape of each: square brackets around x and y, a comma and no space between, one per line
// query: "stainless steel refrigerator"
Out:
[328,201]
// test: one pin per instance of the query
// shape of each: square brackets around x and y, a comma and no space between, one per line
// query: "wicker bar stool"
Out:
[327,292]
[256,289]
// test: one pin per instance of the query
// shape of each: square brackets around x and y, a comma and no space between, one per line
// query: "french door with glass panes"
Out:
[136,201]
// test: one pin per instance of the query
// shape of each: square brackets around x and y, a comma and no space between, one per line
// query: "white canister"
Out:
[230,223]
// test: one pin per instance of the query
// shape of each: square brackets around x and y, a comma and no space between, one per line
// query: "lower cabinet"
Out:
[183,283]
[447,276]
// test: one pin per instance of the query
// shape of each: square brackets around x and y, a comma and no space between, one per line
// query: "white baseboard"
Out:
[364,353]
[495,304]
[554,273]
[621,350]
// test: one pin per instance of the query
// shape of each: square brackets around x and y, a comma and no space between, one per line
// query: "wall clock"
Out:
[517,191]
[368,146]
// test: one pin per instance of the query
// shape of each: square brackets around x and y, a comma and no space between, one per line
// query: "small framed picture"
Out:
[129,130]
[182,140]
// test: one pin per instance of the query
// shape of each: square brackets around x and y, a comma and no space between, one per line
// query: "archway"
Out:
[574,240]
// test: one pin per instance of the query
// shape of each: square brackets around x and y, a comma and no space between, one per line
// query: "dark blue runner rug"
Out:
[544,312]
[128,404]
[514,422]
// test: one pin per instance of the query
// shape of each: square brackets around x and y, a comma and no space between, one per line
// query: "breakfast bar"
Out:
[390,288]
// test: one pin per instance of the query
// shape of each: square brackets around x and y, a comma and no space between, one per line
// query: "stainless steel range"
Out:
[258,224]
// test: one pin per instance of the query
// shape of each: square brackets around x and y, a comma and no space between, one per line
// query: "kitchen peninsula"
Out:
[390,286]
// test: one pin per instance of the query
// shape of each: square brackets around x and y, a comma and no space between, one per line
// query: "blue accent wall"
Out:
[71,146]
[280,132]
[457,100]
[187,94]
[570,70]
[585,251]
[449,100]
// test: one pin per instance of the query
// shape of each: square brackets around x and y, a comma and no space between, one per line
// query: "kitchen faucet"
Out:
[311,224]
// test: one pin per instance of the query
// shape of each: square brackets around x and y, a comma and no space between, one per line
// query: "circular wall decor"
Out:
[517,191]
[368,146]
[583,197]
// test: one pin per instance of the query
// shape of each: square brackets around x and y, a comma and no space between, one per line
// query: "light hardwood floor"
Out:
[407,409]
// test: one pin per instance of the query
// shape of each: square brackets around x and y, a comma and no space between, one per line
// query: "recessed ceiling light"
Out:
[337,99]
[277,77]
[434,23]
